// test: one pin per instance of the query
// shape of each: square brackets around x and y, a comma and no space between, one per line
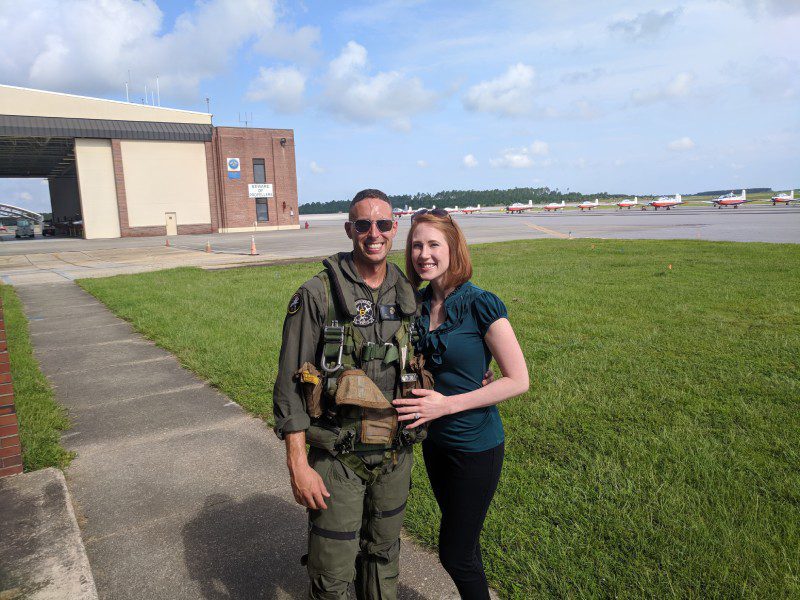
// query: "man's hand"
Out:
[307,486]
[488,378]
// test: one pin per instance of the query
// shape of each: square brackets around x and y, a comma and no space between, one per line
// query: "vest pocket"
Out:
[378,425]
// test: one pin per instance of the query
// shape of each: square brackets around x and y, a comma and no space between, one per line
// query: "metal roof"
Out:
[50,127]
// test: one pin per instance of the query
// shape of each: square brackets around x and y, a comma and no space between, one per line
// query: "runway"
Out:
[64,259]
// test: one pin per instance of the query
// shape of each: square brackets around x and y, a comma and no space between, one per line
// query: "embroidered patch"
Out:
[294,304]
[365,313]
[389,312]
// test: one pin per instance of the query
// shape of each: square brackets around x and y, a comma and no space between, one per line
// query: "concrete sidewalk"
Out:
[43,557]
[179,493]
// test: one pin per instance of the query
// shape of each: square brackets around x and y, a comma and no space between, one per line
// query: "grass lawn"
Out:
[656,454]
[41,420]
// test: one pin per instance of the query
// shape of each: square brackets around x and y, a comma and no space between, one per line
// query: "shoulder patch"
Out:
[294,304]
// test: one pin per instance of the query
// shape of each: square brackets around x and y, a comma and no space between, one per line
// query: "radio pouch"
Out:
[310,380]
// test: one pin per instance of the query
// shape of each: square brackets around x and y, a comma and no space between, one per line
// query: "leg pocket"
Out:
[333,532]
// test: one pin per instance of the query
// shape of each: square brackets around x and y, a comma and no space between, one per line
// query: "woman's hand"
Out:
[429,405]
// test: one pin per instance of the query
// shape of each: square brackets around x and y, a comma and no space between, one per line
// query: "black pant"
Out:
[463,483]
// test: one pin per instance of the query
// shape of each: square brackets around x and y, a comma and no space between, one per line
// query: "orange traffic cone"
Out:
[208,246]
[253,246]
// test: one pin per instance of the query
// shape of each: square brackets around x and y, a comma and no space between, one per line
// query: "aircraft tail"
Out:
[479,206]
[530,202]
[678,198]
[636,199]
[744,194]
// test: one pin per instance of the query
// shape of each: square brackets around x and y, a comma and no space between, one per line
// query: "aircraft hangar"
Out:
[120,169]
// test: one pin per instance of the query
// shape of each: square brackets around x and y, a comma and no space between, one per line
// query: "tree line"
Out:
[463,198]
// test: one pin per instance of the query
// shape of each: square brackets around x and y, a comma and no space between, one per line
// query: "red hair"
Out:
[460,270]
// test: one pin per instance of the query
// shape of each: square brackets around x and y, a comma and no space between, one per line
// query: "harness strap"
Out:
[333,535]
[358,467]
[383,514]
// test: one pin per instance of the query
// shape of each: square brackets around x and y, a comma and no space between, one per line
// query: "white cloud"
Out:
[33,194]
[768,77]
[315,168]
[87,47]
[299,46]
[390,96]
[679,86]
[580,77]
[470,161]
[778,8]
[540,148]
[422,164]
[646,24]
[509,95]
[521,158]
[281,88]
[681,144]
[513,158]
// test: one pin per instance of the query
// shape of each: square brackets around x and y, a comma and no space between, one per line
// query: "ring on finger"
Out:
[416,416]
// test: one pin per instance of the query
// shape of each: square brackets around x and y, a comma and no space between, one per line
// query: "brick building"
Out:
[117,169]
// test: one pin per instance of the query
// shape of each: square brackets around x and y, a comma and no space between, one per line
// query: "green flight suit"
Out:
[363,515]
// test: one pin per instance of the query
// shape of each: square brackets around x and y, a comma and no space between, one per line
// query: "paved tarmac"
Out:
[179,493]
[64,259]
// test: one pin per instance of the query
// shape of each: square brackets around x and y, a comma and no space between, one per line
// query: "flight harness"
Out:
[348,412]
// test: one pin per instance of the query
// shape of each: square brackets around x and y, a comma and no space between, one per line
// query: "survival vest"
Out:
[348,411]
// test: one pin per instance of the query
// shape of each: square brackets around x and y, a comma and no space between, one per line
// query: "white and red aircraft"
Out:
[519,207]
[399,212]
[665,202]
[589,205]
[451,209]
[729,200]
[468,210]
[554,206]
[784,198]
[628,203]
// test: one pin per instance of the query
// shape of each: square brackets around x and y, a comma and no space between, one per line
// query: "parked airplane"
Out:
[468,210]
[519,207]
[399,212]
[451,209]
[665,202]
[784,198]
[588,205]
[729,200]
[555,206]
[628,203]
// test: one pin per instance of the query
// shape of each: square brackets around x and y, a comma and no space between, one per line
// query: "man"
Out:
[355,480]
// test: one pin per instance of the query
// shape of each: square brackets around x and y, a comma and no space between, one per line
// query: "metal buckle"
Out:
[334,327]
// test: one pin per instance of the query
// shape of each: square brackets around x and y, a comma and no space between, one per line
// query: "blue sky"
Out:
[414,96]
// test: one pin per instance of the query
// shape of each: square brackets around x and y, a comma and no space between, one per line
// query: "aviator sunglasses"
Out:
[364,225]
[436,212]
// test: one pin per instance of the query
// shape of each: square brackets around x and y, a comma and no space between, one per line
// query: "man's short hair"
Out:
[364,194]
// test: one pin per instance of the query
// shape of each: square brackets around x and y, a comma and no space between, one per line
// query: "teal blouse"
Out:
[457,355]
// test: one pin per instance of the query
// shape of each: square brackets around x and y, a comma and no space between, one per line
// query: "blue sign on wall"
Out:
[234,168]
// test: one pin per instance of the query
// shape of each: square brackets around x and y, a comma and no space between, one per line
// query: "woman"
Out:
[461,328]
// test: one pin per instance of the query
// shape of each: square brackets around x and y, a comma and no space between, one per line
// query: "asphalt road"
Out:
[64,259]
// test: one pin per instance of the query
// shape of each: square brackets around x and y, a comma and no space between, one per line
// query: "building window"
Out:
[262,211]
[259,171]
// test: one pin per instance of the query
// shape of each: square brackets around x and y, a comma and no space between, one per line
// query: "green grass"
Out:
[41,420]
[656,454]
